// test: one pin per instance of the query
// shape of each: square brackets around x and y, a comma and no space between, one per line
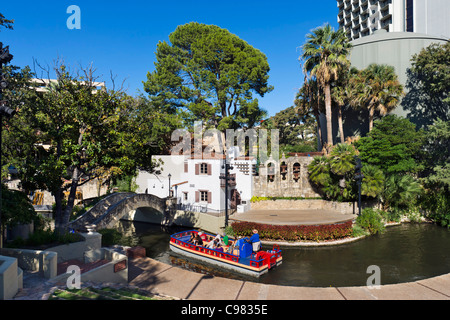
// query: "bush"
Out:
[112,237]
[295,233]
[371,220]
[46,238]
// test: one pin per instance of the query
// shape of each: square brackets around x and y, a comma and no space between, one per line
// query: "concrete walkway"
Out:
[293,217]
[164,279]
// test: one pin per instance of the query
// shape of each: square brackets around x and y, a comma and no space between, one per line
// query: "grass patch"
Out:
[106,293]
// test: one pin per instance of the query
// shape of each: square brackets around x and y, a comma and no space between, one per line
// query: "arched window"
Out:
[283,170]
[296,171]
[270,172]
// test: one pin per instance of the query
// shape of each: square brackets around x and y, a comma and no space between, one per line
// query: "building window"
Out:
[204,196]
[185,196]
[409,16]
[203,168]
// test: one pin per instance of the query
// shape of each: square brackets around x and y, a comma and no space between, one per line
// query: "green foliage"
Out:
[342,159]
[42,239]
[88,133]
[297,129]
[437,147]
[376,88]
[16,208]
[393,145]
[429,84]
[210,74]
[401,192]
[334,175]
[112,237]
[371,220]
[325,55]
[373,182]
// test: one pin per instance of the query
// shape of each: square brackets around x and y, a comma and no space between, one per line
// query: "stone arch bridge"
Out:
[107,212]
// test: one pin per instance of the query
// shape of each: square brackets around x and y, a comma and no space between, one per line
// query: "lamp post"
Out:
[5,57]
[169,184]
[359,178]
[227,178]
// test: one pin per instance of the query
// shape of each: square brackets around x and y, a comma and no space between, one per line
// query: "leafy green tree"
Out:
[437,151]
[16,209]
[211,74]
[324,54]
[376,88]
[428,84]
[69,134]
[436,176]
[394,145]
[296,128]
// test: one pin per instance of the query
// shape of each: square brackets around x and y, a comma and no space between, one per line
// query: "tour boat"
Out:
[243,260]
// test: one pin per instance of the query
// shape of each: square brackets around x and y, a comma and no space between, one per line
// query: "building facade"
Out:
[198,183]
[361,18]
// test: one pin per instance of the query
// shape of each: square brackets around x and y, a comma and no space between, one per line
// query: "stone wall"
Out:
[287,177]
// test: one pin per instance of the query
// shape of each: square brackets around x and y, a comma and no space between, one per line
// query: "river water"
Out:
[404,253]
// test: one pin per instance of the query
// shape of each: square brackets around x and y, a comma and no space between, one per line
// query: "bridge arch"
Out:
[110,210]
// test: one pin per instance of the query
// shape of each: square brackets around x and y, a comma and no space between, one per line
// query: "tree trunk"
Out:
[371,114]
[319,130]
[58,210]
[65,217]
[341,126]
[328,114]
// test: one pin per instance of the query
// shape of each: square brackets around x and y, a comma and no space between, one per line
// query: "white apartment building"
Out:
[197,183]
[361,18]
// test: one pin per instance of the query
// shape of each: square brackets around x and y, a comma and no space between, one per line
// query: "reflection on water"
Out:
[404,253]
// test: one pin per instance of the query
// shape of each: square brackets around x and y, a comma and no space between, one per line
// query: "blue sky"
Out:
[121,37]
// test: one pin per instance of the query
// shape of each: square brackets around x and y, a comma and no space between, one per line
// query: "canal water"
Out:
[404,253]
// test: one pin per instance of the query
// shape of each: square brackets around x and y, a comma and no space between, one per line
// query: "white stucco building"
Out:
[197,183]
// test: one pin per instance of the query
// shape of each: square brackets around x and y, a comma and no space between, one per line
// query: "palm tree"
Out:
[341,95]
[324,54]
[373,182]
[308,98]
[377,88]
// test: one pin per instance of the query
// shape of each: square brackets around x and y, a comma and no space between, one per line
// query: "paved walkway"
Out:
[167,280]
[293,217]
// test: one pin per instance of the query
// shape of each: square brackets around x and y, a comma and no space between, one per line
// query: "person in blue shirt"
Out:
[254,240]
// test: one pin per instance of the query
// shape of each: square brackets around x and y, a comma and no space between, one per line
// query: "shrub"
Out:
[295,233]
[371,220]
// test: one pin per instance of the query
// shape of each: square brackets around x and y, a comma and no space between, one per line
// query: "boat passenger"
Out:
[203,236]
[198,240]
[255,241]
[213,244]
[192,238]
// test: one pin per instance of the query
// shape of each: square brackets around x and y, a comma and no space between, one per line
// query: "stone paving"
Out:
[293,217]
[157,277]
[166,280]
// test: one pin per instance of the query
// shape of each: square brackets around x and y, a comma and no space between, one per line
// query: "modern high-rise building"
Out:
[361,18]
